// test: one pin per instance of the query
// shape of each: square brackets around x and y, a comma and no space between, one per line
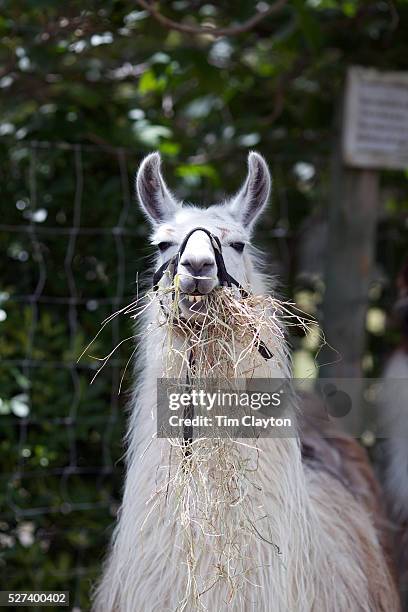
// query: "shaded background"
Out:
[85,93]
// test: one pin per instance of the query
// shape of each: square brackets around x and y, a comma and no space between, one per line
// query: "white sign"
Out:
[375,124]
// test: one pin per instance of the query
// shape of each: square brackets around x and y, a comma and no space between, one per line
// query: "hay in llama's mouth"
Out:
[222,327]
[194,303]
[210,488]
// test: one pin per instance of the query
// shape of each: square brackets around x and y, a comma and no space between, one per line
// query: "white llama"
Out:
[323,551]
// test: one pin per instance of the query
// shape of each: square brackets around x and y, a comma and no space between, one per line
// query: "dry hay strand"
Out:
[230,330]
[213,499]
[226,338]
[211,491]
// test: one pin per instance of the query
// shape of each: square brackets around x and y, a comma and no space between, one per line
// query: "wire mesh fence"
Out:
[67,269]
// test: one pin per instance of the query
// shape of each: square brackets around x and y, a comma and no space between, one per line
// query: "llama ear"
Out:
[154,197]
[254,194]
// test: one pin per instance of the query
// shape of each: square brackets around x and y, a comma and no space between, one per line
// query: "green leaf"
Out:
[149,83]
[169,148]
[197,171]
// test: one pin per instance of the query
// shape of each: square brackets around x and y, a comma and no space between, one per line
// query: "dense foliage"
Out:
[111,77]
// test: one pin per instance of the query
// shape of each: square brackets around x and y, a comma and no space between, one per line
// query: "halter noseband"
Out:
[171,264]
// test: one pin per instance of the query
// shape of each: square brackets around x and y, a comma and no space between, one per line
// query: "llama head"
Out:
[232,222]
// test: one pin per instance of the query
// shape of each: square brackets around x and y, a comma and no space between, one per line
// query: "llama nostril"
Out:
[198,267]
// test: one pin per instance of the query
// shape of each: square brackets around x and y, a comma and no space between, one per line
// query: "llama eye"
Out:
[238,246]
[163,246]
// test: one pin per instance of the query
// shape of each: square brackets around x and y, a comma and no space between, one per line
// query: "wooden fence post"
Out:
[350,258]
[353,215]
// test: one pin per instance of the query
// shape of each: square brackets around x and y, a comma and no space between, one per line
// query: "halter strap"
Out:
[224,277]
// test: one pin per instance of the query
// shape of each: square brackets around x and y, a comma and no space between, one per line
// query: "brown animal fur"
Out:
[327,450]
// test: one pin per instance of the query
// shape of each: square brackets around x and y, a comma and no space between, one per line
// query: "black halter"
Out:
[171,264]
[225,279]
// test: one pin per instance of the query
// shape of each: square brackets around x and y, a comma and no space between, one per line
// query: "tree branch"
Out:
[216,32]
